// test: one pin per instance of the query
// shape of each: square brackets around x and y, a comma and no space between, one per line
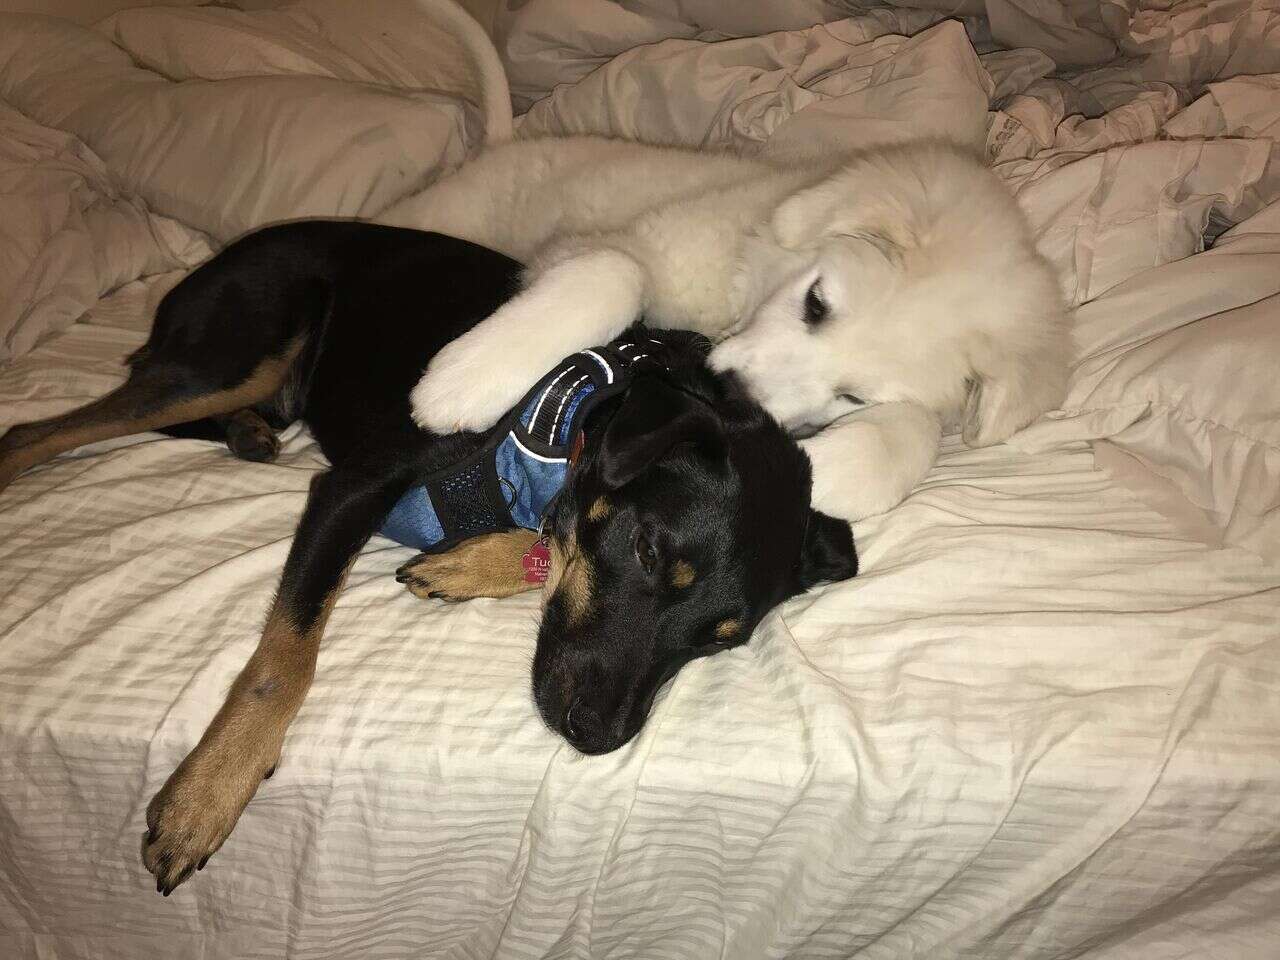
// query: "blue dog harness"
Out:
[512,479]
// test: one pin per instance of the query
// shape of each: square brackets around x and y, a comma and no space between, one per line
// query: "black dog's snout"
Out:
[583,727]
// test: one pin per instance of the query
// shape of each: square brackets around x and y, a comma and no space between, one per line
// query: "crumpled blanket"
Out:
[130,148]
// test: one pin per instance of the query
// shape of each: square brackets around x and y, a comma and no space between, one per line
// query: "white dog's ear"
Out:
[803,217]
[831,209]
[1009,389]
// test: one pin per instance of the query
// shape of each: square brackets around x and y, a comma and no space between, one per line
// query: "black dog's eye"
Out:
[645,553]
[815,306]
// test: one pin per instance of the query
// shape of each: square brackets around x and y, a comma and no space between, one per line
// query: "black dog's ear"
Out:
[653,418]
[828,552]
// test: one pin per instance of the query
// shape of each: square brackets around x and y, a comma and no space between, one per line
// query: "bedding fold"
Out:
[172,130]
[227,154]
[842,85]
[550,43]
[69,234]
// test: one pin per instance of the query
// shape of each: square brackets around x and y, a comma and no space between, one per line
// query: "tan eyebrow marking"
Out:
[682,574]
[728,629]
[572,578]
[600,509]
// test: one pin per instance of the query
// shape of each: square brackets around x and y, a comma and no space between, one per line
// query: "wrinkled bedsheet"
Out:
[1043,722]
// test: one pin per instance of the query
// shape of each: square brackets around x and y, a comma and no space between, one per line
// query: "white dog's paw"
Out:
[866,463]
[476,379]
[468,386]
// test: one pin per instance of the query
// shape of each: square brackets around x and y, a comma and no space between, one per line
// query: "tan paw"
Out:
[193,814]
[485,566]
[435,576]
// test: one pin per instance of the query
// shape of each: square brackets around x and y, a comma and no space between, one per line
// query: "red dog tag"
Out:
[537,562]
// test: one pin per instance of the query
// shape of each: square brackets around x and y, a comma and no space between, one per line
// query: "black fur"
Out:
[373,305]
[685,456]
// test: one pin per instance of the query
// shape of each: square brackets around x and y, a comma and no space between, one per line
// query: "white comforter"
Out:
[1043,722]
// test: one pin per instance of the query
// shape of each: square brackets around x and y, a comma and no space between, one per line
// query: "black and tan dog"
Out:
[684,520]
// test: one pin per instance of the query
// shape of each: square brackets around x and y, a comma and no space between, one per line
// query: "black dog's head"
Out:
[684,521]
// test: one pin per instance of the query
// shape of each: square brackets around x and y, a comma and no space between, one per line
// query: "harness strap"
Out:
[512,479]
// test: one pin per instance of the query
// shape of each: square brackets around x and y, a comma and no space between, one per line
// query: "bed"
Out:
[1043,722]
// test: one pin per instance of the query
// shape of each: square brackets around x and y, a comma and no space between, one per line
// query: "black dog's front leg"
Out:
[200,803]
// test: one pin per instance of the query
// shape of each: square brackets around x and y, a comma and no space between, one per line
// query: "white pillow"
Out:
[228,154]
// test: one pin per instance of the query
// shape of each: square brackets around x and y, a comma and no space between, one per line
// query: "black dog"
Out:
[684,520]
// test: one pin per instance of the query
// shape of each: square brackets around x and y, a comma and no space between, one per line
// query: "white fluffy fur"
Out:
[939,310]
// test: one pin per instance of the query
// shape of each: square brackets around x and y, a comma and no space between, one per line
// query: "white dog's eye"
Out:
[851,398]
[815,306]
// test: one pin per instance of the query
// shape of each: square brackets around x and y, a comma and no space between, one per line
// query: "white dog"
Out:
[878,297]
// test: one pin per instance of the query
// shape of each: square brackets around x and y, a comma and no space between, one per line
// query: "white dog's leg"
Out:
[576,303]
[867,463]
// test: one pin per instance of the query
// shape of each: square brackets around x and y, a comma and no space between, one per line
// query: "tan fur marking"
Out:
[600,509]
[199,804]
[29,444]
[486,566]
[572,579]
[559,558]
[682,574]
[728,629]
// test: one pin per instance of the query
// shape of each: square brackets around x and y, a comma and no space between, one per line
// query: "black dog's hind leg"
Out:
[199,804]
[250,437]
[246,432]
[156,395]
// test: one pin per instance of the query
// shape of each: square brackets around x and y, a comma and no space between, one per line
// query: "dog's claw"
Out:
[184,832]
[266,776]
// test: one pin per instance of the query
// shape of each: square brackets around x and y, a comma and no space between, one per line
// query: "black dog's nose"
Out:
[583,727]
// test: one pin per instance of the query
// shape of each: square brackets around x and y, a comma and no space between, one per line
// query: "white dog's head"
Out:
[909,274]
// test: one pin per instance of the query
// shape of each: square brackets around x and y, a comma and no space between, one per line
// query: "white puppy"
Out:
[878,297]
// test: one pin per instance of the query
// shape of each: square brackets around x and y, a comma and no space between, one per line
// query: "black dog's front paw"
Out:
[196,809]
[182,833]
[418,576]
[491,565]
